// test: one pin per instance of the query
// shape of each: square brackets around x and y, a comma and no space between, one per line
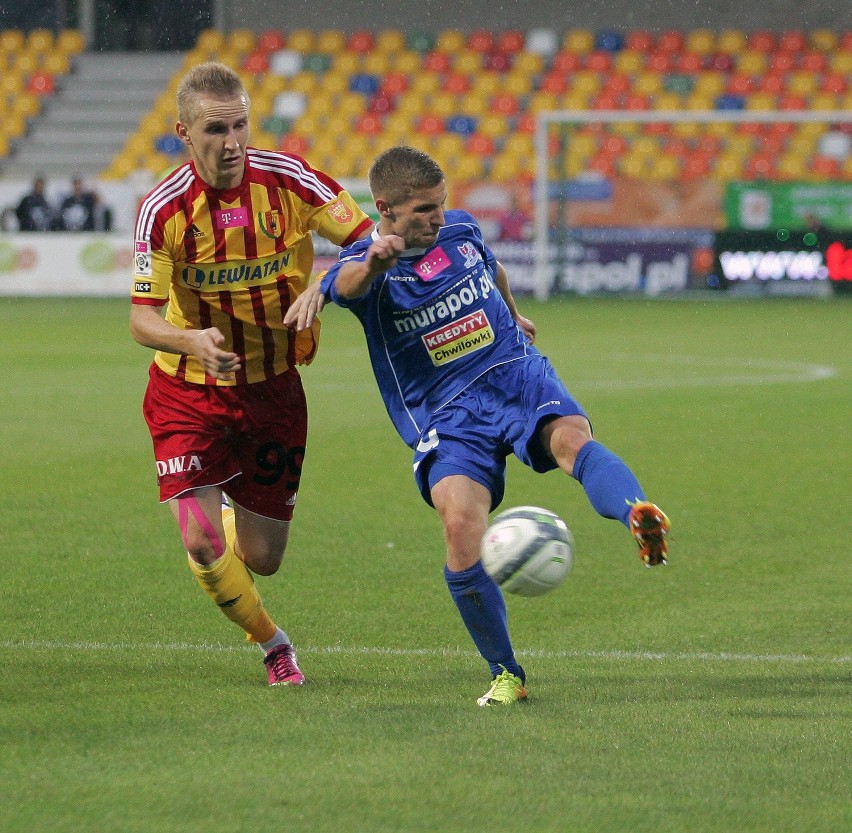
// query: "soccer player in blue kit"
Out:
[465,387]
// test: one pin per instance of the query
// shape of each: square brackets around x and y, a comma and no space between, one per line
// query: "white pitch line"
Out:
[656,656]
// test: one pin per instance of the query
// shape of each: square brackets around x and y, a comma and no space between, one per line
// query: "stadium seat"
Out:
[543,42]
[390,41]
[511,41]
[285,62]
[271,40]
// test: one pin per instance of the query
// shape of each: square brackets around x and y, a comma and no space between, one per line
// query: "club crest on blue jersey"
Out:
[470,254]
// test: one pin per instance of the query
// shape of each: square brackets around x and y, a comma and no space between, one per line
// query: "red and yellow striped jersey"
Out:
[235,259]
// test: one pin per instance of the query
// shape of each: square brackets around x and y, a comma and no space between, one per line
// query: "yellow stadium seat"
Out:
[56,63]
[377,63]
[648,83]
[351,104]
[528,63]
[390,40]
[330,42]
[14,124]
[425,83]
[302,40]
[451,41]
[5,145]
[727,167]
[11,84]
[760,101]
[581,41]
[792,166]
[668,101]
[700,41]
[443,104]
[70,42]
[643,146]
[334,82]
[825,101]
[517,83]
[664,168]
[27,104]
[12,40]
[40,40]
[407,62]
[494,125]
[519,144]
[710,83]
[586,81]
[473,104]
[825,40]
[27,63]
[467,167]
[802,83]
[739,144]
[487,83]
[540,101]
[467,63]
[632,166]
[346,63]
[210,40]
[752,63]
[732,41]
[628,61]
[241,41]
[448,145]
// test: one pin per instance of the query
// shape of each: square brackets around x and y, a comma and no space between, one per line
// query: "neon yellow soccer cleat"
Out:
[505,688]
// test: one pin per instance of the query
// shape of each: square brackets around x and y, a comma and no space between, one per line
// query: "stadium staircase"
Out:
[89,116]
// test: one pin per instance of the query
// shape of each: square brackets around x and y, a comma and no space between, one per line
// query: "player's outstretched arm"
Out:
[502,283]
[354,278]
[150,329]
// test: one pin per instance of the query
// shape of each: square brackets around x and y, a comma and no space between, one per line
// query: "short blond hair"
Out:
[213,79]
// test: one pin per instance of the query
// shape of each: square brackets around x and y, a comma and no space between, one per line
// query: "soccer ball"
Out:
[528,550]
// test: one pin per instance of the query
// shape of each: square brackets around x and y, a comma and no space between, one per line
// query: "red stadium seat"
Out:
[369,124]
[430,125]
[670,41]
[599,61]
[480,145]
[511,41]
[481,41]
[437,62]
[271,40]
[294,143]
[793,40]
[639,40]
[361,41]
[761,41]
[41,83]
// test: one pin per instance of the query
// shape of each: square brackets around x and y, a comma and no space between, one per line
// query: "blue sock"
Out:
[483,611]
[609,484]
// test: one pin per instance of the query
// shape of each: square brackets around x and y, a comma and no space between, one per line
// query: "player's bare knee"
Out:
[264,561]
[199,547]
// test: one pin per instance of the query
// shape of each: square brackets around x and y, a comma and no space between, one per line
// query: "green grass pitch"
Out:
[709,696]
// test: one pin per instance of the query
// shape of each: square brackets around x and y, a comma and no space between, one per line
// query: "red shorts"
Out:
[248,439]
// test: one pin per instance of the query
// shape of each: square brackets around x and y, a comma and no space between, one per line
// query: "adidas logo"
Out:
[195,231]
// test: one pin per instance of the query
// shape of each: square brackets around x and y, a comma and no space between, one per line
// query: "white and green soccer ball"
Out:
[528,550]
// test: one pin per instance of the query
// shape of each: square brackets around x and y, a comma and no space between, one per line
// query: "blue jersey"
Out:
[434,323]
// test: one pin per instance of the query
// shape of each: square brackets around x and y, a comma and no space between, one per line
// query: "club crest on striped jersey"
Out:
[340,211]
[270,223]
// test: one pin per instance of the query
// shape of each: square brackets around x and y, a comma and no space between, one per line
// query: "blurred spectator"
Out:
[34,212]
[77,211]
[515,224]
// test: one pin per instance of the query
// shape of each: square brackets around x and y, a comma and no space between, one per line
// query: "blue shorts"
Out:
[497,415]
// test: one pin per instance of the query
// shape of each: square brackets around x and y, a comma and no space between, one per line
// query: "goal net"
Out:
[656,186]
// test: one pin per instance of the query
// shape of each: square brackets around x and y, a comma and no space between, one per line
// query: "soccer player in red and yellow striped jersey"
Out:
[223,246]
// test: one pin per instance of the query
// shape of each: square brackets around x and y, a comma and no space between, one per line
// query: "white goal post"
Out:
[543,248]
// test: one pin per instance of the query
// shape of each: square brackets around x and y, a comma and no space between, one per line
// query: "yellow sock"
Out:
[229,583]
